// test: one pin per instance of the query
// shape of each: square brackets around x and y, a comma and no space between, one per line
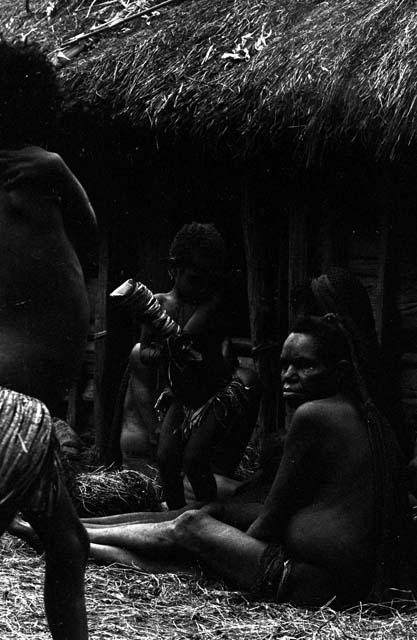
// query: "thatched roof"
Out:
[244,73]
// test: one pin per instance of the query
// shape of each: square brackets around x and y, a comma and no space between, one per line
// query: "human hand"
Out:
[32,165]
[182,350]
[164,400]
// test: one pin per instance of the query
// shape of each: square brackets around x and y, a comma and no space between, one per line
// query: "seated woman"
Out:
[210,403]
[336,291]
[331,523]
[334,520]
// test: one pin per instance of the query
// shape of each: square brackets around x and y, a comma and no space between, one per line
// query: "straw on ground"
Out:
[126,603]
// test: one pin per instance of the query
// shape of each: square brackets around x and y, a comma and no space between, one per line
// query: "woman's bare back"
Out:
[43,301]
[333,524]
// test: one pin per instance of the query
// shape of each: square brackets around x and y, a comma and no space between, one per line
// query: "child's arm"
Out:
[152,352]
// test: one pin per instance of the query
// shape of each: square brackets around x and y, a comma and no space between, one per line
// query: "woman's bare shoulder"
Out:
[327,414]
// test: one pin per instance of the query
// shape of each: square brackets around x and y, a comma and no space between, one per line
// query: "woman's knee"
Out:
[187,526]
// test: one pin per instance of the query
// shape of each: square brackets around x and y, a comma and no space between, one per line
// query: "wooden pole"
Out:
[332,244]
[297,255]
[261,287]
[100,329]
[72,402]
[381,283]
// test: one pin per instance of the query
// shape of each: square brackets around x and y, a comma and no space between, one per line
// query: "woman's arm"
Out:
[295,480]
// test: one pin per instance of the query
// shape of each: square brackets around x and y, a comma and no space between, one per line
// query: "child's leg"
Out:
[239,416]
[197,456]
[66,551]
[170,457]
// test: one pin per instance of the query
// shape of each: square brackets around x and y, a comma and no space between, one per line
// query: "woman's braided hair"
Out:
[388,466]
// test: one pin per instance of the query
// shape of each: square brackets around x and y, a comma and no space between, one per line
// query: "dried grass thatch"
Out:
[108,492]
[242,73]
[127,603]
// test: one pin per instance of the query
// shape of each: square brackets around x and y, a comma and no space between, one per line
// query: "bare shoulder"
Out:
[247,376]
[30,200]
[26,207]
[326,407]
[333,414]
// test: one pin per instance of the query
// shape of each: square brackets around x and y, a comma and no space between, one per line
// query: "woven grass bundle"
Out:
[108,492]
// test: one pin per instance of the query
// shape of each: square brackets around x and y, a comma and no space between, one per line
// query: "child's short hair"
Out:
[203,239]
[30,97]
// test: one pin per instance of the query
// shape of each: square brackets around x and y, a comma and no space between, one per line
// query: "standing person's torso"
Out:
[43,301]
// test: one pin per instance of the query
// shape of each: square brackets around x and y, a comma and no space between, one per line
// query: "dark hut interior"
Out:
[291,126]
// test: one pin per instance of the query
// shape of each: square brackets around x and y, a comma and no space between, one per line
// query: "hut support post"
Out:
[297,255]
[100,328]
[72,400]
[381,284]
[262,291]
